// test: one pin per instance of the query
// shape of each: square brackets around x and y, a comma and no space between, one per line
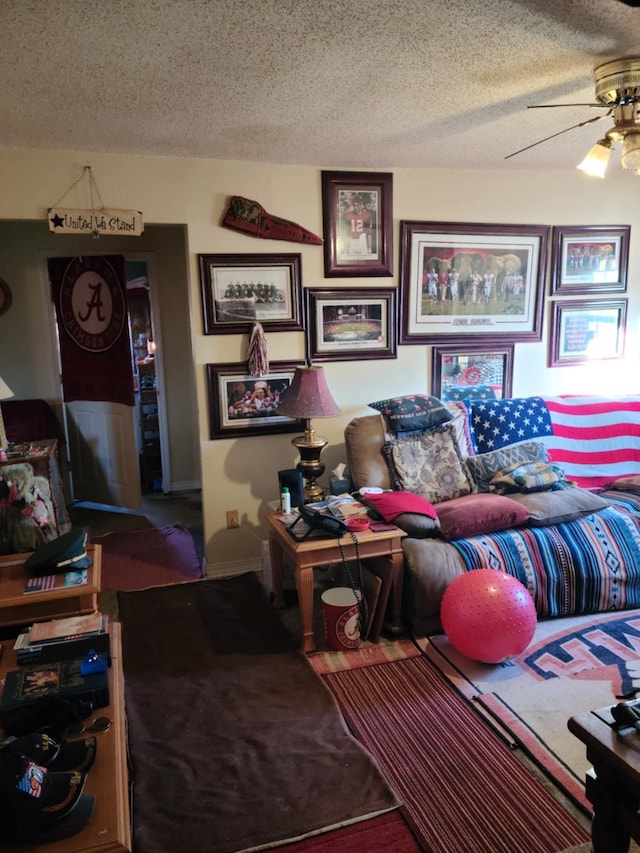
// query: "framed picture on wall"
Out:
[461,283]
[357,217]
[241,404]
[587,331]
[589,259]
[240,290]
[482,371]
[349,325]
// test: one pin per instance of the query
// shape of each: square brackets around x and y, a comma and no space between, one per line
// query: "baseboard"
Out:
[186,486]
[234,567]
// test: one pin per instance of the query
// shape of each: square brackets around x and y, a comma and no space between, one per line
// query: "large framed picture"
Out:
[589,259]
[461,283]
[587,331]
[483,371]
[240,290]
[241,404]
[357,216]
[346,325]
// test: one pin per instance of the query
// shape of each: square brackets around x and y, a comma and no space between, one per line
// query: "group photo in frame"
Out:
[462,281]
[241,404]
[357,216]
[483,371]
[240,290]
[589,259]
[349,325]
[587,331]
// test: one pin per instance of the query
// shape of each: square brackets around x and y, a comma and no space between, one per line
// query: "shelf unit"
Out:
[150,454]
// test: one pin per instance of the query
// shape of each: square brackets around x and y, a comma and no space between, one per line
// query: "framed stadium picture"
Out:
[589,259]
[358,223]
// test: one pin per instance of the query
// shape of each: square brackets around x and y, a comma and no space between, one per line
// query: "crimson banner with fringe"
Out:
[89,293]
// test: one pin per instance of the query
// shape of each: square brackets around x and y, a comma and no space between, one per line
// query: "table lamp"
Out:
[308,397]
[5,393]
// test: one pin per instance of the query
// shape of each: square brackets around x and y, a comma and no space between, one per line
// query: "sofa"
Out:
[546,489]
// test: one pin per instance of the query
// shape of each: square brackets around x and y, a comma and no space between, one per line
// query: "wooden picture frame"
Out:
[489,282]
[589,259]
[459,372]
[357,216]
[587,331]
[351,325]
[240,290]
[236,406]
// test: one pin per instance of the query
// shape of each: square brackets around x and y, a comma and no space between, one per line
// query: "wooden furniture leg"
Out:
[304,584]
[277,569]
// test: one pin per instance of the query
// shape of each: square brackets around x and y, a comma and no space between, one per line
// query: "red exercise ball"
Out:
[488,615]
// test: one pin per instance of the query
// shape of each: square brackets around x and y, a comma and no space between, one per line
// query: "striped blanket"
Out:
[595,439]
[584,566]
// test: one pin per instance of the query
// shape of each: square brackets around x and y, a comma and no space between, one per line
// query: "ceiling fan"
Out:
[617,85]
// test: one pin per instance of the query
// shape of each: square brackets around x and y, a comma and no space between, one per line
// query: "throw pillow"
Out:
[411,513]
[528,477]
[499,423]
[626,484]
[558,506]
[428,464]
[474,515]
[413,413]
[485,466]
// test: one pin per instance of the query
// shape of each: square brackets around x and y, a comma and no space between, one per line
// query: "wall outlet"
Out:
[233,519]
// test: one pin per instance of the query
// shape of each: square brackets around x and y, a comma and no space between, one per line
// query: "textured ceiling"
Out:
[366,84]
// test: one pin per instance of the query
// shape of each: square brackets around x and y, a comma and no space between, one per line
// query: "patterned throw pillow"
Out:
[413,413]
[499,423]
[428,464]
[485,466]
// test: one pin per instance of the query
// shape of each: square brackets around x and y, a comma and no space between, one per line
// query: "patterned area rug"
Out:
[146,558]
[573,665]
[461,786]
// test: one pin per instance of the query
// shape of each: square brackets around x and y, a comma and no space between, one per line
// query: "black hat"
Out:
[64,554]
[37,803]
[52,752]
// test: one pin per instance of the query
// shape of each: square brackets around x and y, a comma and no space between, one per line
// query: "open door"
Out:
[97,378]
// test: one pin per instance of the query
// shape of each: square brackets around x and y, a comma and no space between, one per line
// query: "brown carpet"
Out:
[234,740]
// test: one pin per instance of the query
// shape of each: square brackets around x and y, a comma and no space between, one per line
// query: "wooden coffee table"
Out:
[613,783]
[19,608]
[381,552]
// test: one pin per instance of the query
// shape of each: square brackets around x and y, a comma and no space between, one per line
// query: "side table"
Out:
[613,785]
[19,608]
[381,551]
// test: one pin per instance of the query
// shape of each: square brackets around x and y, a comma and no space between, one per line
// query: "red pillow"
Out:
[391,504]
[472,515]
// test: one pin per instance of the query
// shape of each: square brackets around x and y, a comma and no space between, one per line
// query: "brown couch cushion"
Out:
[473,515]
[364,439]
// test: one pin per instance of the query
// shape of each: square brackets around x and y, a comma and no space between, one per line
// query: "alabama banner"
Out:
[89,294]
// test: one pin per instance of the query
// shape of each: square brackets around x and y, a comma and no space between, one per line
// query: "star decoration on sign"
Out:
[57,221]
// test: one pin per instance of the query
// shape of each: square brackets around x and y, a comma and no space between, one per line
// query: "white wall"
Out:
[241,473]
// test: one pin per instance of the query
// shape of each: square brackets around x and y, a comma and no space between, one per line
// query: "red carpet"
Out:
[461,786]
[145,558]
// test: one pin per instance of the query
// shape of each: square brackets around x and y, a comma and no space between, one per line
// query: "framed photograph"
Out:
[350,325]
[587,331]
[483,371]
[241,404]
[357,216]
[589,259]
[461,283]
[240,290]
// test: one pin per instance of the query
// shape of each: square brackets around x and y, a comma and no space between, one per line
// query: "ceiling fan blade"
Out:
[552,106]
[559,133]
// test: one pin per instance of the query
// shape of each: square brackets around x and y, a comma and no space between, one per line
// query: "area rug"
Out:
[461,786]
[235,743]
[573,665]
[144,558]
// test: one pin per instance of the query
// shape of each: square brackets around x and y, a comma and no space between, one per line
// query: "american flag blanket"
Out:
[584,566]
[594,439]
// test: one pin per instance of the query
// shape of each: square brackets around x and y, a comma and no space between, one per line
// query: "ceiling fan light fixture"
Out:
[596,161]
[630,158]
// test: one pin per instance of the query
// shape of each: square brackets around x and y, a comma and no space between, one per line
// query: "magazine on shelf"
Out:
[47,582]
[72,627]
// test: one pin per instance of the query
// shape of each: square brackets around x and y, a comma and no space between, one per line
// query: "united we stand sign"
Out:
[97,222]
